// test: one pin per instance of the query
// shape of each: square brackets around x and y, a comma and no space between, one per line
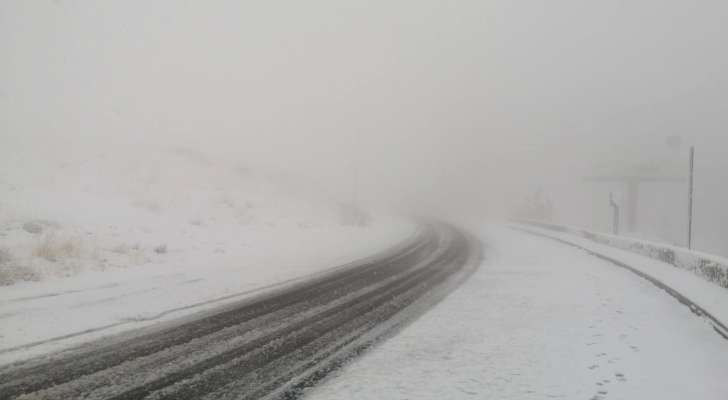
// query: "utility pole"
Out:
[355,186]
[615,214]
[690,197]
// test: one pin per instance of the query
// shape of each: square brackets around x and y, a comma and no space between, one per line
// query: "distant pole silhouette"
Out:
[690,197]
[615,214]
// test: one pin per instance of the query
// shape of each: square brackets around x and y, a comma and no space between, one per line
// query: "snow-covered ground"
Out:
[710,296]
[543,320]
[97,241]
[709,267]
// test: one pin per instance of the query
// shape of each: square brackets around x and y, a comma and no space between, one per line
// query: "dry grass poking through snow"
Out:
[85,211]
[54,249]
[11,271]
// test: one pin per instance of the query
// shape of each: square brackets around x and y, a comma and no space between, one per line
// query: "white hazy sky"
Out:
[446,104]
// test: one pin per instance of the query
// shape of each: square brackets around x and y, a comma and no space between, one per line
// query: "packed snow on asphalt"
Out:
[543,320]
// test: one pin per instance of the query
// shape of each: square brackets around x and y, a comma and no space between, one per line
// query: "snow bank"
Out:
[709,267]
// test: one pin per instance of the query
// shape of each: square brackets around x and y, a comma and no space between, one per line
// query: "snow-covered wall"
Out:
[711,268]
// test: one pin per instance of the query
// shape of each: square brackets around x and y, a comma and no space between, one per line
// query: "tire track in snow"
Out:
[273,345]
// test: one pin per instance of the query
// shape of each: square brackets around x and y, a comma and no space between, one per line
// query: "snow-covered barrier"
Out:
[712,268]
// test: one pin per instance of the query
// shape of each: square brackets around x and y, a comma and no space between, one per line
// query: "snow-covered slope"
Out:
[125,236]
[72,209]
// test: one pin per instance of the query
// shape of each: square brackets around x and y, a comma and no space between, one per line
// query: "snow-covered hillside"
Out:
[100,241]
[71,208]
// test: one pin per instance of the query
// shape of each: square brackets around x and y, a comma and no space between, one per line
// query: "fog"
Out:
[458,109]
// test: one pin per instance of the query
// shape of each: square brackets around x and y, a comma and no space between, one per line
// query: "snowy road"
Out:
[538,319]
[55,314]
[273,345]
[543,320]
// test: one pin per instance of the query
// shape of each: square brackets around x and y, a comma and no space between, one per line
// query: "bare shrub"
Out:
[151,206]
[5,257]
[33,227]
[53,249]
[12,272]
[161,249]
[120,249]
[125,248]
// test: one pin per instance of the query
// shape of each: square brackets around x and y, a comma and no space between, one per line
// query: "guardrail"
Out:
[713,269]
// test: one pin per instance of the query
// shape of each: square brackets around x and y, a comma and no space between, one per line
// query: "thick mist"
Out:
[459,109]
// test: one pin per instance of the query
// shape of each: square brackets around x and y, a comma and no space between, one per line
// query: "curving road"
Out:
[273,346]
[542,320]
